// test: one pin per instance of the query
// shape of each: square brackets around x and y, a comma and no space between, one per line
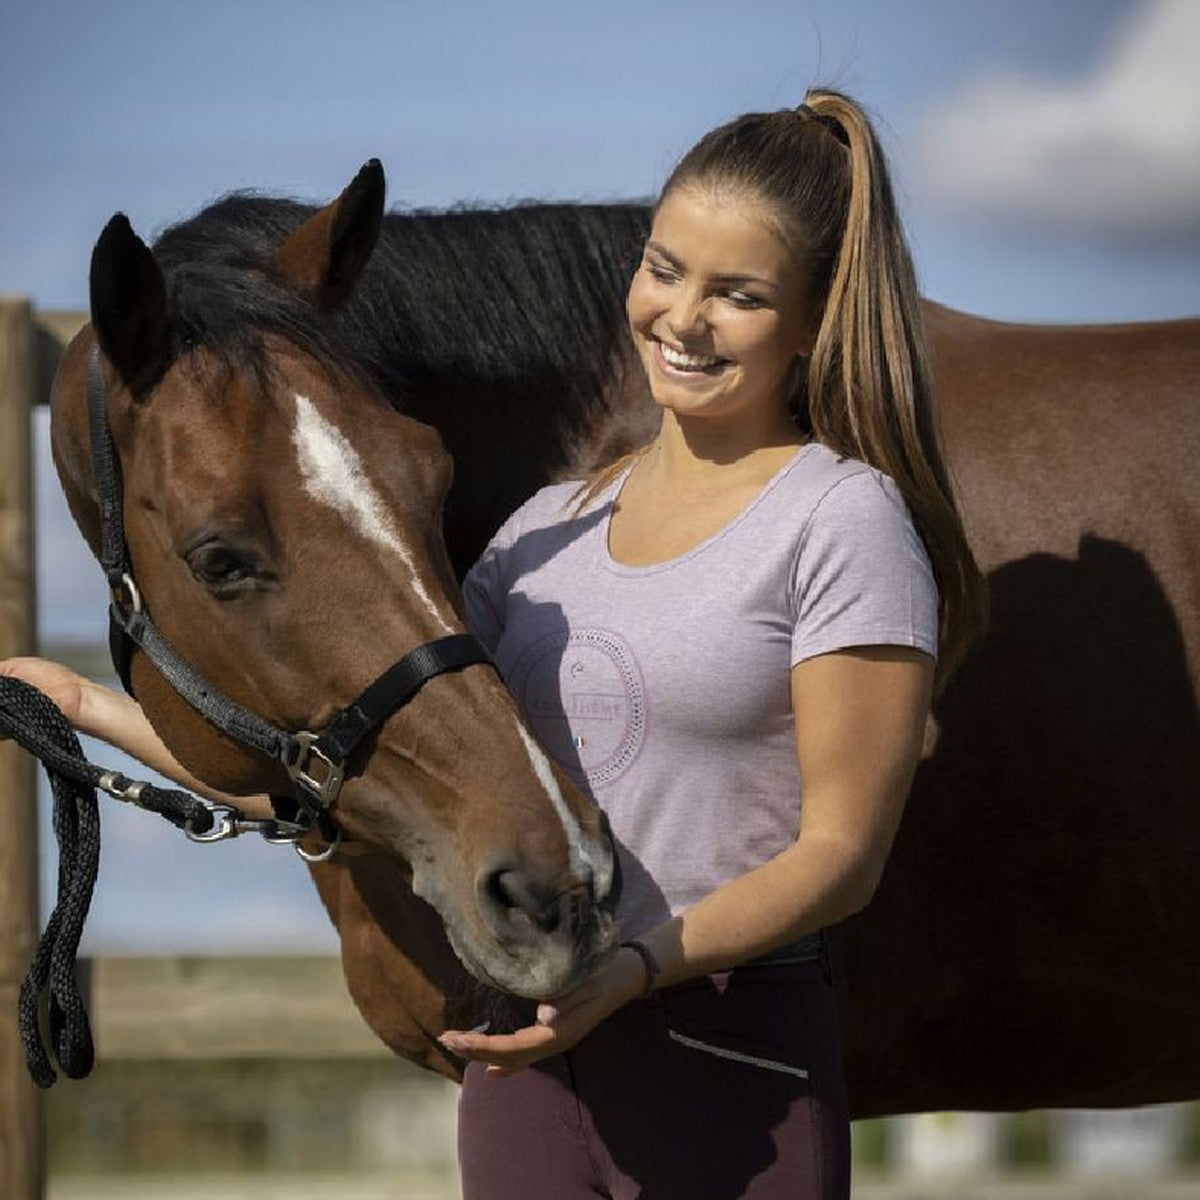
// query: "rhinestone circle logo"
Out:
[582,693]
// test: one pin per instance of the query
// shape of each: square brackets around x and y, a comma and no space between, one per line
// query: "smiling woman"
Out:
[720,311]
[756,598]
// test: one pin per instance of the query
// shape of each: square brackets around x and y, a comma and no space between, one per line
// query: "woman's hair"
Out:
[820,176]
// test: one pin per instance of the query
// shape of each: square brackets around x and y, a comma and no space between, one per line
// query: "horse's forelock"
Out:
[229,309]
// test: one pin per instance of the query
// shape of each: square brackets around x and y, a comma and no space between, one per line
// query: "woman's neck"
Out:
[702,449]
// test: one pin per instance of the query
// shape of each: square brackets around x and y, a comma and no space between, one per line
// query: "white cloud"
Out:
[1115,152]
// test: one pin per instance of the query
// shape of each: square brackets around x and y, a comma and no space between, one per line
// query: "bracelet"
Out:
[648,961]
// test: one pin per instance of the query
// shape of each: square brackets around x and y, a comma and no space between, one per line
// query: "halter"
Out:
[315,762]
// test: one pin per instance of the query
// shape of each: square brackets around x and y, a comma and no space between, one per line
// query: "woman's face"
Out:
[718,308]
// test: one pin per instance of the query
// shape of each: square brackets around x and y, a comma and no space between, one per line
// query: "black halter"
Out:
[316,762]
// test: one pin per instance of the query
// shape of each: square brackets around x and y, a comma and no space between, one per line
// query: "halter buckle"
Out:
[125,595]
[325,785]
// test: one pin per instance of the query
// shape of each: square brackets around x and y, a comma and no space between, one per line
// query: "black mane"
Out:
[449,296]
[490,324]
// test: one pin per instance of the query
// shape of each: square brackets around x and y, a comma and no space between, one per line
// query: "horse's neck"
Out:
[508,439]
[514,411]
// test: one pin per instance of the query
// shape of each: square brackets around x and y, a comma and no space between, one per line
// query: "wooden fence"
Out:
[242,1007]
[29,351]
[21,1139]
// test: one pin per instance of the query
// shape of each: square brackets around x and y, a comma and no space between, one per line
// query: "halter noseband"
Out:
[316,762]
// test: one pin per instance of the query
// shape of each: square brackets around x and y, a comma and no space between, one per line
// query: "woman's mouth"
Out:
[689,364]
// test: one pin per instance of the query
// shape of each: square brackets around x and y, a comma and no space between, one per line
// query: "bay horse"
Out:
[1032,942]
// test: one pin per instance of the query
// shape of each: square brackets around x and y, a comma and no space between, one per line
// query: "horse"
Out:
[1030,943]
[282,523]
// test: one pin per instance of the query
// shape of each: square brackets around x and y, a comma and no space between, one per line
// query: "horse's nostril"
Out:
[515,900]
[514,904]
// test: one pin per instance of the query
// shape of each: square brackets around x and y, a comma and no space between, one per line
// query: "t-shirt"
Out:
[664,691]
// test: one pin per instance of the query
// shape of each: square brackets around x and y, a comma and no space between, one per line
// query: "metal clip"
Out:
[224,826]
[230,823]
[281,833]
[119,788]
[325,788]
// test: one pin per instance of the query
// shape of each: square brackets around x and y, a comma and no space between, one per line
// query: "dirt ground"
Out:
[400,1185]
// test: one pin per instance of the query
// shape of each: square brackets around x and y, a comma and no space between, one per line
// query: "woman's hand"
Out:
[560,1023]
[64,686]
[100,712]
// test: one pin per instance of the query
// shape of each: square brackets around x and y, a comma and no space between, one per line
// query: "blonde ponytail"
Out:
[869,388]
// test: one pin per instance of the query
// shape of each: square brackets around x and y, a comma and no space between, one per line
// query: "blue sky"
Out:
[1047,155]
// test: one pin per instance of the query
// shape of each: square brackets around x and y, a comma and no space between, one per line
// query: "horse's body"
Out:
[1032,942]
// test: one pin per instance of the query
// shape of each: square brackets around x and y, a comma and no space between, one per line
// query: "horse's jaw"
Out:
[533,970]
[526,900]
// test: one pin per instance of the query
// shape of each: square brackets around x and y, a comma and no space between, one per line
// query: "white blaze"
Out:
[580,859]
[333,475]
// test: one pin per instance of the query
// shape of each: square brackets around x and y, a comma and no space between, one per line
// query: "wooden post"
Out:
[22,1160]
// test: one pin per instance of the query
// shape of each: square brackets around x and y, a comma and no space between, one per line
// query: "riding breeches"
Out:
[726,1086]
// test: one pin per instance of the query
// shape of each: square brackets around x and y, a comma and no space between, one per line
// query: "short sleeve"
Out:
[861,575]
[486,585]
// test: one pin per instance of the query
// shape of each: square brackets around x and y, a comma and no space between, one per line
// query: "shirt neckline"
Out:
[667,564]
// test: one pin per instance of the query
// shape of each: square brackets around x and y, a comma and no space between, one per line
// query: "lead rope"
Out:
[35,722]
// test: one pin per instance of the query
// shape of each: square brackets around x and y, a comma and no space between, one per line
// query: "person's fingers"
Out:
[498,1046]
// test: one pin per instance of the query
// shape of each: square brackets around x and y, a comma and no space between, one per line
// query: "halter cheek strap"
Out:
[315,761]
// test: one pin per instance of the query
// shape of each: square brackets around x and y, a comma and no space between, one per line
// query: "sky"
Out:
[1046,154]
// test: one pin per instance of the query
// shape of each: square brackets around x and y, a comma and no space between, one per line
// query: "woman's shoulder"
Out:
[549,506]
[829,485]
[861,574]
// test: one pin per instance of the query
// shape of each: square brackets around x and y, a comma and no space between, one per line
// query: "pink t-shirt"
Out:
[664,691]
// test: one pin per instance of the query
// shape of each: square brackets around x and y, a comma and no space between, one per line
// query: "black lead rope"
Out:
[36,723]
[52,969]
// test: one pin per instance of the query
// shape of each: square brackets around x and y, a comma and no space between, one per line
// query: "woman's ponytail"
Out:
[869,389]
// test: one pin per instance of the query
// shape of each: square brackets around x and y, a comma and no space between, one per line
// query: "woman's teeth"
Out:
[687,362]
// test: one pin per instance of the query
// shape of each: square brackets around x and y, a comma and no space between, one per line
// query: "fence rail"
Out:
[51,332]
[196,1008]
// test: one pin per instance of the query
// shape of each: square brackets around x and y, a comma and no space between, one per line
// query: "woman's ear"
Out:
[811,329]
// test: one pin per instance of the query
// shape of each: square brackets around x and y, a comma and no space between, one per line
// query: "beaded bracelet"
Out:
[648,961]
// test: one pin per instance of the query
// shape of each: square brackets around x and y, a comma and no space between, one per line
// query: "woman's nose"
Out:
[688,316]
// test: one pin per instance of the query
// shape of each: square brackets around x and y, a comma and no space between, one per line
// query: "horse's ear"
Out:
[324,258]
[129,305]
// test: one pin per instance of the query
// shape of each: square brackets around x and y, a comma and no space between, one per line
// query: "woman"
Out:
[757,598]
[744,604]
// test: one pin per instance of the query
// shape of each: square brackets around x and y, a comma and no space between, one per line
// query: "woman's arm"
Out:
[860,719]
[98,711]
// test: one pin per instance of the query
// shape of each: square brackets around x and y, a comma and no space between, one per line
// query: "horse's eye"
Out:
[218,566]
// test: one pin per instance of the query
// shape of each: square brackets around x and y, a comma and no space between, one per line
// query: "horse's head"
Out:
[284,528]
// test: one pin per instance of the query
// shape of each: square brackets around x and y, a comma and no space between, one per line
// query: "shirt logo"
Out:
[582,693]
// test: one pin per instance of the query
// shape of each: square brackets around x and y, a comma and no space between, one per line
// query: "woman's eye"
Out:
[744,300]
[217,566]
[661,273]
